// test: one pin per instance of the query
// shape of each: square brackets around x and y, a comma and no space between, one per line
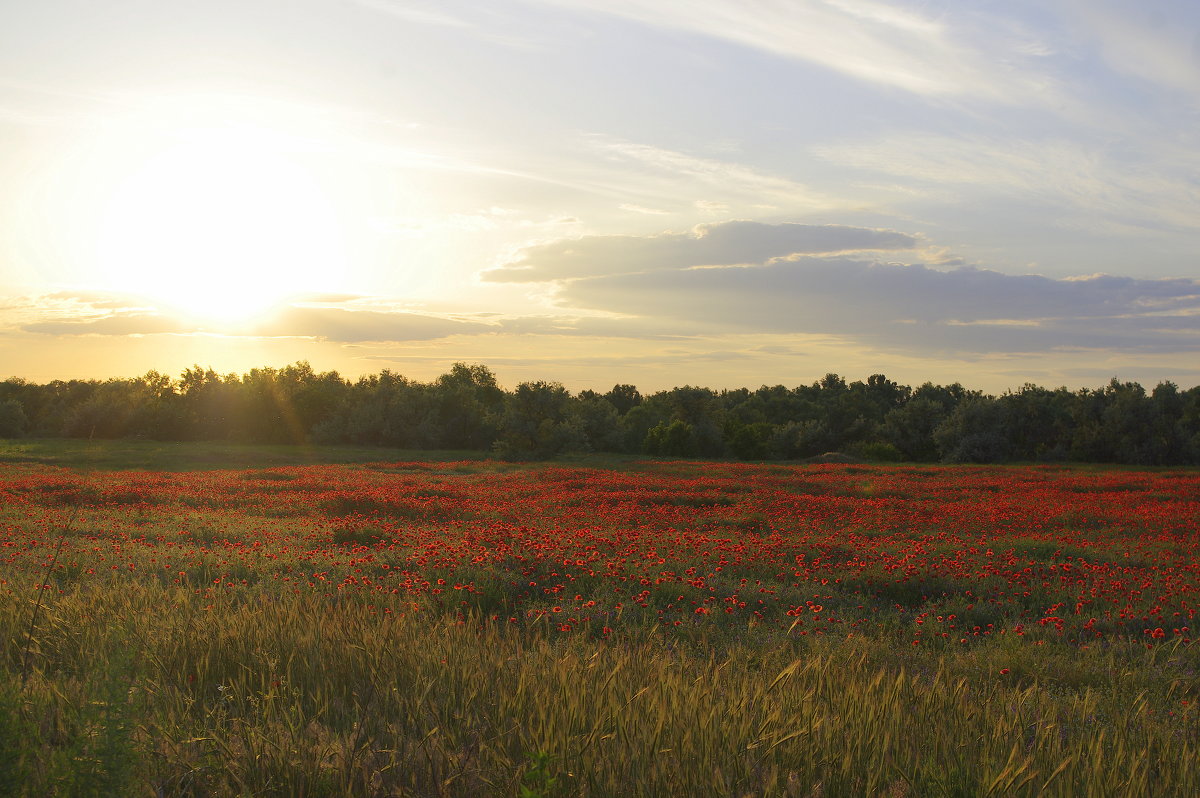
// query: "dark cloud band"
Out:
[329,324]
[723,244]
[910,307]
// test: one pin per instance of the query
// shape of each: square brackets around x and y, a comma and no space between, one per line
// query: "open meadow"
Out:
[182,620]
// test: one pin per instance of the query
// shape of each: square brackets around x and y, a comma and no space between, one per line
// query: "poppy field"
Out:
[599,628]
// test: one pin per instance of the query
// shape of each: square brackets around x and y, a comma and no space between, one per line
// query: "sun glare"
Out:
[218,221]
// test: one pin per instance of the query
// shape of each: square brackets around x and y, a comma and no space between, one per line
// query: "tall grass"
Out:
[144,689]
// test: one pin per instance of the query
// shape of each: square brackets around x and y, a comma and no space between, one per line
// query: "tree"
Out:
[13,422]
[600,423]
[1037,422]
[1188,425]
[640,419]
[537,422]
[1129,423]
[910,428]
[972,433]
[118,408]
[885,394]
[384,409]
[624,398]
[798,439]
[211,407]
[674,439]
[748,441]
[467,401]
[699,409]
[284,405]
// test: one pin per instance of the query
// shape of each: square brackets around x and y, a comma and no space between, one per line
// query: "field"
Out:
[225,621]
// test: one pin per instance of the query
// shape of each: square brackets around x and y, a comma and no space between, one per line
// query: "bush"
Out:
[878,451]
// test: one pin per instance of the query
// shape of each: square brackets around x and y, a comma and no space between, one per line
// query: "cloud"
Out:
[417,13]
[709,206]
[625,206]
[625,360]
[480,20]
[1154,189]
[754,278]
[1102,375]
[97,300]
[356,326]
[122,324]
[661,174]
[961,55]
[333,324]
[908,307]
[1155,42]
[45,312]
[601,327]
[718,244]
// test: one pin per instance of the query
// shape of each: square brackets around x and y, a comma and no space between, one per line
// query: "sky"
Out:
[728,193]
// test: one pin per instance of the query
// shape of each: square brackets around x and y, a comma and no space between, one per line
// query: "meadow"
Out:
[203,620]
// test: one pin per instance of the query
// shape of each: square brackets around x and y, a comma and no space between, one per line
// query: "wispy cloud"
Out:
[1153,188]
[626,206]
[689,179]
[1155,42]
[420,13]
[484,21]
[885,44]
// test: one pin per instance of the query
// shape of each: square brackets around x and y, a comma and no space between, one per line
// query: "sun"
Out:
[217,219]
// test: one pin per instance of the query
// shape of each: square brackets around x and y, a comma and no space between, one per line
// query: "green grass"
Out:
[167,456]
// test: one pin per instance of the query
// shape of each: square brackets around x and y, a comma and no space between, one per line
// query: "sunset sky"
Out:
[662,192]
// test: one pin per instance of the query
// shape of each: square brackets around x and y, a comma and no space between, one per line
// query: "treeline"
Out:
[465,409]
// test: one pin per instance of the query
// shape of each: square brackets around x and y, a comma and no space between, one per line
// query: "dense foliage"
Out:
[465,409]
[470,628]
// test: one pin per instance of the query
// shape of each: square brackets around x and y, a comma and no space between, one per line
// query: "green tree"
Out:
[538,421]
[800,439]
[467,401]
[885,394]
[600,423]
[384,409]
[748,441]
[639,420]
[1131,427]
[1037,422]
[910,428]
[211,407]
[700,410]
[624,398]
[973,432]
[675,439]
[119,408]
[13,422]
